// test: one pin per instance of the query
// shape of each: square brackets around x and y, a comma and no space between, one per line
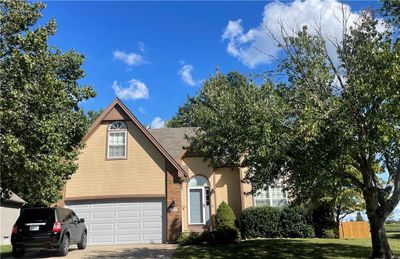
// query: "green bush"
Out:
[225,217]
[323,218]
[226,236]
[272,222]
[226,231]
[296,222]
[221,236]
[330,233]
[260,222]
[192,238]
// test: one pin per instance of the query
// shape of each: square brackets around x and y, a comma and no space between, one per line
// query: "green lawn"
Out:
[5,250]
[292,248]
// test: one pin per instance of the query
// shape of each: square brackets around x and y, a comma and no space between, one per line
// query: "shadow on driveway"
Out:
[115,251]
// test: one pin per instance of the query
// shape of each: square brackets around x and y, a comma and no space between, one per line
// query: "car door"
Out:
[78,227]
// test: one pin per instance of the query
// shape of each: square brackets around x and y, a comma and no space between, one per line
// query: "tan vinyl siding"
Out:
[142,172]
[227,188]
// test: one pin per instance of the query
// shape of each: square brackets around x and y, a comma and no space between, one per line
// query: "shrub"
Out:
[323,218]
[226,231]
[296,222]
[330,233]
[272,222]
[225,217]
[226,236]
[260,222]
[192,238]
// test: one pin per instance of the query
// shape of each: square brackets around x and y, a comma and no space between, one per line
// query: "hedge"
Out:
[272,222]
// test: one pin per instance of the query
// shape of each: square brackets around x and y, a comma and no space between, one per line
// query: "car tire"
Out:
[18,253]
[64,246]
[82,244]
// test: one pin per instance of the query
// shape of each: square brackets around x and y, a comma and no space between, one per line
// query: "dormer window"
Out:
[116,142]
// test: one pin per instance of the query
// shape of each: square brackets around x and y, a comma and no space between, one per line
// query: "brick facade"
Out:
[174,204]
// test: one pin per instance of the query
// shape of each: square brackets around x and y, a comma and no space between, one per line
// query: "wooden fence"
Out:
[354,230]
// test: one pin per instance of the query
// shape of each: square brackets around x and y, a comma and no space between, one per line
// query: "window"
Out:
[199,201]
[273,196]
[117,140]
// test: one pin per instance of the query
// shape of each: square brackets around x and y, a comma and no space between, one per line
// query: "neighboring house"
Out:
[9,213]
[138,185]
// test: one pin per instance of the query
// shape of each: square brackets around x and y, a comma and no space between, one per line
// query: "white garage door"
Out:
[122,221]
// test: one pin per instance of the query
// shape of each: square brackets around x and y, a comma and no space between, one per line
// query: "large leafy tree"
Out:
[356,106]
[41,123]
[239,123]
[336,120]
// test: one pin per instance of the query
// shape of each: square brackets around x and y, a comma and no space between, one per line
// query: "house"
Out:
[9,212]
[138,185]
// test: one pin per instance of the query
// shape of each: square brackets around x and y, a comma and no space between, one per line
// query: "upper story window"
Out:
[273,195]
[117,135]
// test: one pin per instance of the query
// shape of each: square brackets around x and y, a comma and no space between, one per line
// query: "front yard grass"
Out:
[5,250]
[287,248]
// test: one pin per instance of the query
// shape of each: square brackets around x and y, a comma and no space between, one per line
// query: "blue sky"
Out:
[162,50]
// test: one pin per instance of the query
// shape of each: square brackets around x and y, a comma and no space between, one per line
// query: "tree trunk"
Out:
[380,245]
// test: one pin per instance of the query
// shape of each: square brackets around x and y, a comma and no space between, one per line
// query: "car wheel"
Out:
[83,242]
[17,253]
[64,246]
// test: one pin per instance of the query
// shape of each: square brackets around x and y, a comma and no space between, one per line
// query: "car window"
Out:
[74,217]
[37,215]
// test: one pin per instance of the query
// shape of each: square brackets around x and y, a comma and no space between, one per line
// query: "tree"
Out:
[355,104]
[327,119]
[359,217]
[41,123]
[93,115]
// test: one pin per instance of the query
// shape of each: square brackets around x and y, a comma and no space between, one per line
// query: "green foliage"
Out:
[93,115]
[227,236]
[359,217]
[296,222]
[225,217]
[210,237]
[330,233]
[260,221]
[41,122]
[191,238]
[323,218]
[226,231]
[272,222]
[235,117]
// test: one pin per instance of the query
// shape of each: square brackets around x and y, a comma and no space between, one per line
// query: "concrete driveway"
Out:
[114,251]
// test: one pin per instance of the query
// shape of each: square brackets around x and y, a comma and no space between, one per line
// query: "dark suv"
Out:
[48,229]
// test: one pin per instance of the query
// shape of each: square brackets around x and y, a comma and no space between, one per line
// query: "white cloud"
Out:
[186,74]
[256,46]
[136,90]
[130,58]
[157,123]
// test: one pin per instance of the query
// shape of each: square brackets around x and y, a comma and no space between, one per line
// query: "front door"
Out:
[199,204]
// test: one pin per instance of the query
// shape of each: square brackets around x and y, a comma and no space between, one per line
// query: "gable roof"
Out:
[118,105]
[173,139]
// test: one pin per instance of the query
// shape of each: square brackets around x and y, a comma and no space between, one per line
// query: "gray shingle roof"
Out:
[173,139]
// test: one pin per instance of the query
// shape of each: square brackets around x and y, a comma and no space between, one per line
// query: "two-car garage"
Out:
[122,221]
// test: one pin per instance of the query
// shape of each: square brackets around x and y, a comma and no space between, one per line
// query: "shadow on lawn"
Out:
[276,248]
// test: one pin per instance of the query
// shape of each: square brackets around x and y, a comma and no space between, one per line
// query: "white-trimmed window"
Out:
[273,195]
[116,142]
